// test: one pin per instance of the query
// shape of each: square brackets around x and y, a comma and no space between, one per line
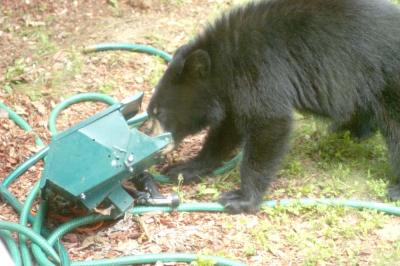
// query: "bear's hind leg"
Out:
[361,125]
[390,129]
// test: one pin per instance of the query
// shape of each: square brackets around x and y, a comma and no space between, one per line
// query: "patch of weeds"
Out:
[341,172]
[338,148]
[332,149]
[45,46]
[113,3]
[227,181]
[14,75]
[40,36]
[335,164]
[107,88]
[202,262]
[370,220]
[388,254]
[260,234]
[228,225]
[205,190]
[40,77]
[62,77]
[249,249]
[318,251]
[115,7]
[277,193]
[341,182]
[350,224]
[221,253]
[293,168]
[118,59]
[179,188]
[377,187]
[14,72]
[156,72]
[156,40]
[323,226]
[308,190]
[278,215]
[294,239]
[352,258]
[297,209]
[175,2]
[51,18]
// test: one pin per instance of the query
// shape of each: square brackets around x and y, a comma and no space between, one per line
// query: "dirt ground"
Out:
[41,64]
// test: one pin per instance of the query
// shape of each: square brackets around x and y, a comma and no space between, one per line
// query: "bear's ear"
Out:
[197,64]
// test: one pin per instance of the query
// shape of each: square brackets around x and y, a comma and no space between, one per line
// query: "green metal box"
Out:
[88,162]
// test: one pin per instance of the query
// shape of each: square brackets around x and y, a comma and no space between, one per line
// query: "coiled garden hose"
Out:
[82,97]
[128,47]
[12,246]
[23,221]
[20,122]
[36,238]
[42,248]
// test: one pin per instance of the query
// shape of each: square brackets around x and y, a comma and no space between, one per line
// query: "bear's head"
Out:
[183,101]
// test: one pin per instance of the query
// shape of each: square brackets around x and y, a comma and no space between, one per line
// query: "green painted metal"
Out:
[88,162]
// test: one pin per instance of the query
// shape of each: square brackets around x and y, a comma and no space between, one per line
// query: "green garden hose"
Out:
[12,247]
[52,247]
[216,207]
[36,238]
[20,122]
[164,257]
[23,221]
[22,168]
[128,47]
[40,257]
[82,97]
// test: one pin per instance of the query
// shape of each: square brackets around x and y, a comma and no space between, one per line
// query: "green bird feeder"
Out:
[88,162]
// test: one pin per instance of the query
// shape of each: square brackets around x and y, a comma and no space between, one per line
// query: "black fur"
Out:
[245,75]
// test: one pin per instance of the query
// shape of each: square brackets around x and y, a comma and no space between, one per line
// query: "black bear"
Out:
[244,75]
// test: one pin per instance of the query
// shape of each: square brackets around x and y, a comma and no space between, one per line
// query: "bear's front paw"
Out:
[235,202]
[190,171]
[394,192]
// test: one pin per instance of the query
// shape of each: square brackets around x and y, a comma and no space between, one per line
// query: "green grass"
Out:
[320,164]
[156,72]
[331,165]
[36,72]
[390,254]
[156,40]
[176,2]
[107,87]
[319,233]
[14,75]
